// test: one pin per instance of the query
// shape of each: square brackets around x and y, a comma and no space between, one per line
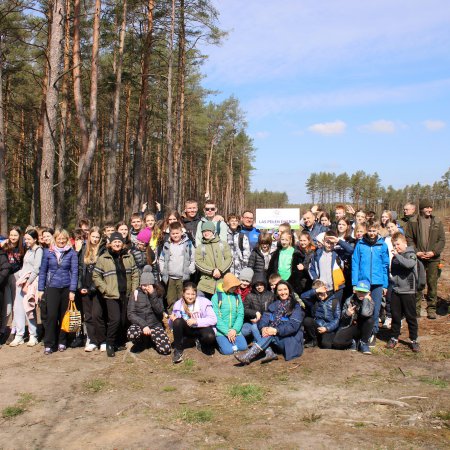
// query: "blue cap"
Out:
[362,286]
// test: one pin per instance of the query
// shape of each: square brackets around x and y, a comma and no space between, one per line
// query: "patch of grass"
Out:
[359,424]
[187,366]
[196,415]
[169,388]
[247,392]
[26,398]
[311,417]
[95,385]
[12,411]
[283,378]
[434,381]
[443,415]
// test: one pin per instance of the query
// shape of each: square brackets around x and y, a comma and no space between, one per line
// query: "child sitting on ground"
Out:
[325,314]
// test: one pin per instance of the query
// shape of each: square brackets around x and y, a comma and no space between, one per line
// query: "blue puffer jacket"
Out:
[289,330]
[326,313]
[65,275]
[370,262]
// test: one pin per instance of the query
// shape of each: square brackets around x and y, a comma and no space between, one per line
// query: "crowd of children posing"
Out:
[209,284]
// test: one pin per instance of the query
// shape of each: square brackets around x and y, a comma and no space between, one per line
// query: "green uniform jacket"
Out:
[105,275]
[229,310]
[436,241]
[210,255]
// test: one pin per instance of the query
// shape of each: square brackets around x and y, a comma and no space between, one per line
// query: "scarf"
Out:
[59,251]
[280,313]
[371,241]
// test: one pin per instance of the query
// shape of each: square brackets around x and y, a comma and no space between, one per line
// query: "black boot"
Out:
[311,344]
[270,356]
[249,355]
[110,350]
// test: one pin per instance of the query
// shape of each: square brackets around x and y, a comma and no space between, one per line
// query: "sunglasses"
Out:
[210,209]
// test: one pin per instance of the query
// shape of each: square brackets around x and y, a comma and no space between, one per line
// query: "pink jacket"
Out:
[203,312]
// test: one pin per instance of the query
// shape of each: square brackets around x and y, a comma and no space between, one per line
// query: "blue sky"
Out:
[338,86]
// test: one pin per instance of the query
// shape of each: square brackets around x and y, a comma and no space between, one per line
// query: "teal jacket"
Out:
[229,310]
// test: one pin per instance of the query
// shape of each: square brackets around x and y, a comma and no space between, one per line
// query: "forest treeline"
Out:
[365,191]
[103,109]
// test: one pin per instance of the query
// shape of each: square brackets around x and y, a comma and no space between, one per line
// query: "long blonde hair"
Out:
[91,255]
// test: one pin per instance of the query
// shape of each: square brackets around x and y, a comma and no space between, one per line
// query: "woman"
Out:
[15,251]
[145,312]
[86,287]
[344,229]
[325,219]
[360,219]
[386,216]
[229,311]
[115,277]
[286,261]
[123,229]
[25,301]
[193,318]
[58,277]
[47,237]
[280,326]
[152,227]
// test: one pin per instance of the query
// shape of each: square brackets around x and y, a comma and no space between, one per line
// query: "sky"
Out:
[338,86]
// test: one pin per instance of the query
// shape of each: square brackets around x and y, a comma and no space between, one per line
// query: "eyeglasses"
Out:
[210,209]
[247,217]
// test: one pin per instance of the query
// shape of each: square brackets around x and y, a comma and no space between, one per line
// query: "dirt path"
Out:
[324,399]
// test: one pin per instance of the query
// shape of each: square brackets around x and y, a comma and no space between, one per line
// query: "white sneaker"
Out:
[91,347]
[32,341]
[18,340]
[103,347]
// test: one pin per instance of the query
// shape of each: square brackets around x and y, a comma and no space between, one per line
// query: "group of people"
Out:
[190,280]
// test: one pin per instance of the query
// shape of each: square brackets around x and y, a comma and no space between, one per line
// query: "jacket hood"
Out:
[258,278]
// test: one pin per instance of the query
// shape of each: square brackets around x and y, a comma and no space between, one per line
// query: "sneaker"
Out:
[372,341]
[32,341]
[78,341]
[90,348]
[353,346]
[48,351]
[364,348]
[103,347]
[387,323]
[415,347]
[431,315]
[177,356]
[198,345]
[18,340]
[311,344]
[392,343]
[61,348]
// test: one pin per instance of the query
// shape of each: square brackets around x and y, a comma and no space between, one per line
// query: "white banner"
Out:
[273,218]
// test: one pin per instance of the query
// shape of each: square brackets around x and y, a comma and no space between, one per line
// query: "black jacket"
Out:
[295,280]
[256,301]
[5,268]
[145,310]
[256,262]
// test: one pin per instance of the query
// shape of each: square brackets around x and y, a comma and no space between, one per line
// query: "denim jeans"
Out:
[376,291]
[226,347]
[249,329]
[264,343]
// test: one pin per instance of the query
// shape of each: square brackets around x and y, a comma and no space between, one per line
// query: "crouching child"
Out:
[325,314]
[356,320]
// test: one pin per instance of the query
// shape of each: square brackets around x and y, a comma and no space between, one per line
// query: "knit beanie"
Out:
[147,276]
[246,274]
[116,236]
[425,203]
[230,281]
[144,235]
[209,226]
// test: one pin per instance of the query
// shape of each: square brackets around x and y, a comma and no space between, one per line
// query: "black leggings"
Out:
[361,330]
[404,304]
[57,303]
[158,338]
[87,301]
[325,340]
[205,335]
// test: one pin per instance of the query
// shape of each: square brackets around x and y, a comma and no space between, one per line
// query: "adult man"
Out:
[191,218]
[311,226]
[247,228]
[426,234]
[210,211]
[409,211]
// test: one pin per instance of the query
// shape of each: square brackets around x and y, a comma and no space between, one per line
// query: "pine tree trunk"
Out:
[3,198]
[51,103]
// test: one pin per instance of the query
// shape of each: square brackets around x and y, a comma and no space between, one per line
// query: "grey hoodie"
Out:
[403,275]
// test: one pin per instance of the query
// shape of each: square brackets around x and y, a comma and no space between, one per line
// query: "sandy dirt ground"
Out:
[325,399]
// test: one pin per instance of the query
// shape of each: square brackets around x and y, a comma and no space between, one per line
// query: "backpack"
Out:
[421,275]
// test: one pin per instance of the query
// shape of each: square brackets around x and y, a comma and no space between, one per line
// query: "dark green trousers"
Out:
[431,268]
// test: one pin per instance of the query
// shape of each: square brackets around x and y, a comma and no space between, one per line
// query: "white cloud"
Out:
[328,128]
[380,126]
[434,125]
[261,135]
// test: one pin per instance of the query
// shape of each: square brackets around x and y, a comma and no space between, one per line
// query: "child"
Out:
[328,266]
[404,288]
[306,248]
[245,287]
[260,256]
[239,245]
[356,320]
[274,279]
[136,226]
[176,262]
[145,311]
[193,317]
[326,312]
[359,231]
[371,262]
[255,305]
[229,310]
[212,259]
